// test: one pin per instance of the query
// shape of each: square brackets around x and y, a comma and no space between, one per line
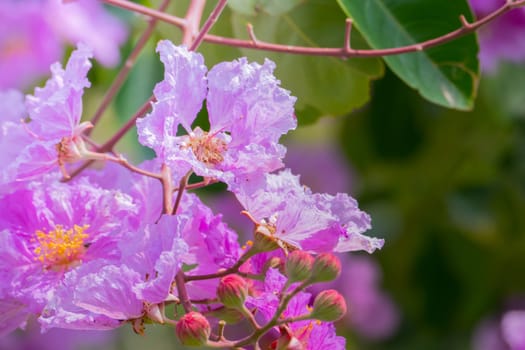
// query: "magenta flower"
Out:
[297,219]
[50,229]
[503,38]
[87,21]
[28,44]
[55,127]
[125,290]
[248,113]
[32,36]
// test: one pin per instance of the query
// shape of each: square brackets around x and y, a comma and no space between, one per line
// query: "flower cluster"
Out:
[113,246]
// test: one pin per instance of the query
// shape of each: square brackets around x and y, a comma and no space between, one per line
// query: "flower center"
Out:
[207,149]
[60,248]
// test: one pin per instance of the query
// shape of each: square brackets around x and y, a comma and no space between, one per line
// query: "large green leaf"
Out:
[271,7]
[329,85]
[448,74]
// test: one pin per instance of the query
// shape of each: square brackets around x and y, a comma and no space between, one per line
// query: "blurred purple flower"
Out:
[513,329]
[87,21]
[28,44]
[371,312]
[33,339]
[32,34]
[488,336]
[248,113]
[307,160]
[502,333]
[504,38]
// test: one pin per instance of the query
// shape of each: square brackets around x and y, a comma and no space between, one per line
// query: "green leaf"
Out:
[271,7]
[330,85]
[448,74]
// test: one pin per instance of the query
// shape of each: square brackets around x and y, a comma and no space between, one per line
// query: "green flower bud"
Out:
[327,267]
[298,266]
[232,291]
[193,329]
[329,306]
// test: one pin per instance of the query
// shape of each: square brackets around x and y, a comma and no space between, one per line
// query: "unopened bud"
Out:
[329,306]
[232,291]
[193,329]
[298,266]
[327,267]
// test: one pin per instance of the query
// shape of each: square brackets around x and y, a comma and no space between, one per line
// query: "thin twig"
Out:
[193,19]
[183,293]
[335,52]
[208,24]
[128,5]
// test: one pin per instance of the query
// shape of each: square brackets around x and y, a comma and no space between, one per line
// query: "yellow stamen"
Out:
[207,148]
[60,248]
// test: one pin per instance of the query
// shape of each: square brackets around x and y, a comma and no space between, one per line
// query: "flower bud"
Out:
[298,266]
[329,306]
[326,267]
[193,329]
[232,291]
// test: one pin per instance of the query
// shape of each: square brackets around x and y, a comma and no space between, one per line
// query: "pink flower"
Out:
[248,113]
[55,128]
[32,34]
[284,210]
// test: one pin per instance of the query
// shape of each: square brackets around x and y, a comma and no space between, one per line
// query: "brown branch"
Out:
[193,18]
[345,51]
[183,293]
[208,24]
[233,269]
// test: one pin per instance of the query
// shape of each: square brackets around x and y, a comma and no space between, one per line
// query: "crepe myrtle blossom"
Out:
[248,112]
[130,290]
[504,38]
[54,125]
[295,218]
[47,230]
[307,334]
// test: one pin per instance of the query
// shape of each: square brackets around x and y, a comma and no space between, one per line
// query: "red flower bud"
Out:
[232,291]
[193,329]
[327,267]
[329,306]
[298,266]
